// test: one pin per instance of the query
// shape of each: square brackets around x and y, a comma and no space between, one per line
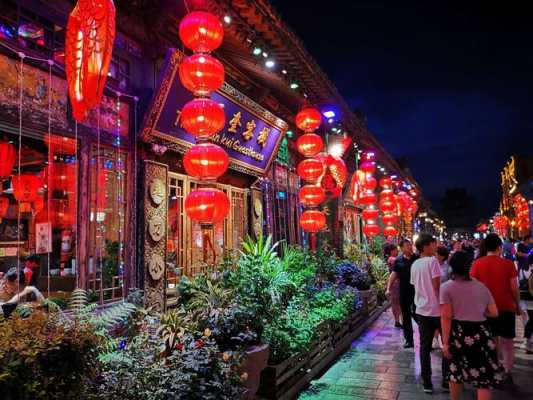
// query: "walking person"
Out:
[467,340]
[391,253]
[526,297]
[425,277]
[442,257]
[401,271]
[501,278]
[522,252]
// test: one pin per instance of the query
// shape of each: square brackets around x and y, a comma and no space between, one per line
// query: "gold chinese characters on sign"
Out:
[156,228]
[157,191]
[156,267]
[235,122]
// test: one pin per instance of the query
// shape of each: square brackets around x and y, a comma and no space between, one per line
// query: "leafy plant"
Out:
[379,274]
[348,274]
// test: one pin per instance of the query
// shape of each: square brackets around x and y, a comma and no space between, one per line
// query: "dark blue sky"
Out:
[446,84]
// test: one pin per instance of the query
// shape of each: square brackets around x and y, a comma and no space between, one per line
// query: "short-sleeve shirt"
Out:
[496,273]
[402,268]
[423,271]
[469,299]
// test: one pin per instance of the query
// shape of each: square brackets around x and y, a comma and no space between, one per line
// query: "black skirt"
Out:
[474,356]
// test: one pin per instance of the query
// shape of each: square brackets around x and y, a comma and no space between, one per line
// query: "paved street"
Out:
[377,367]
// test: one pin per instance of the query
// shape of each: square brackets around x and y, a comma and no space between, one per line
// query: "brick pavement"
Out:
[377,367]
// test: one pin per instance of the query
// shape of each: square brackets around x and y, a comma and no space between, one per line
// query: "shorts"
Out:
[504,325]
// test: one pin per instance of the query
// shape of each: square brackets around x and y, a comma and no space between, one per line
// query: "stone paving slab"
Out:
[377,367]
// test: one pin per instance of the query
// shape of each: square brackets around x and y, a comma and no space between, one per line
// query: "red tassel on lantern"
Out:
[206,161]
[7,159]
[207,205]
[309,119]
[88,49]
[310,170]
[312,221]
[309,144]
[201,74]
[202,117]
[201,31]
[311,195]
[25,187]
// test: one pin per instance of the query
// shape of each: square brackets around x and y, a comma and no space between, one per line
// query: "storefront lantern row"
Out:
[88,49]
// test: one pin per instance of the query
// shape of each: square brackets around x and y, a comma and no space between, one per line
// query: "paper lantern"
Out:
[207,206]
[201,74]
[387,206]
[311,195]
[371,230]
[387,195]
[388,219]
[368,198]
[371,214]
[370,183]
[385,182]
[308,119]
[202,117]
[310,169]
[335,175]
[206,161]
[25,187]
[312,221]
[390,231]
[309,144]
[201,31]
[88,48]
[330,185]
[368,167]
[4,206]
[8,155]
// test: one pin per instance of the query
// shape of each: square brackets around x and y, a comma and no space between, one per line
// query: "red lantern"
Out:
[88,49]
[7,159]
[388,219]
[4,206]
[331,186]
[309,119]
[310,170]
[201,31]
[202,117]
[386,195]
[63,176]
[370,183]
[385,182]
[312,221]
[371,230]
[368,198]
[25,187]
[201,74]
[369,167]
[309,144]
[206,161]
[390,231]
[207,205]
[387,206]
[311,195]
[370,214]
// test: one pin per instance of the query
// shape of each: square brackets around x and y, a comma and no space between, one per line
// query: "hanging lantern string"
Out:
[21,77]
[50,159]
[134,213]
[98,230]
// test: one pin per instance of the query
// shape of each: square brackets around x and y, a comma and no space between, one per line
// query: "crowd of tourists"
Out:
[465,297]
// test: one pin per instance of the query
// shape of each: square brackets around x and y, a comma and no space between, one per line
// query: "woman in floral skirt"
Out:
[467,340]
[391,252]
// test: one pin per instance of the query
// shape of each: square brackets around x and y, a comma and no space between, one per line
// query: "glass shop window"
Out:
[38,211]
[107,216]
[119,72]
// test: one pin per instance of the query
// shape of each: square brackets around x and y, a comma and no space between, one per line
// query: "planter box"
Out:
[370,301]
[285,380]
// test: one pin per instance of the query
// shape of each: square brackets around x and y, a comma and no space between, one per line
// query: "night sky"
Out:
[447,84]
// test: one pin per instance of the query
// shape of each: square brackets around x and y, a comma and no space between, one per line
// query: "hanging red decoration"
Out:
[368,167]
[331,187]
[25,187]
[63,176]
[201,74]
[202,117]
[201,31]
[311,195]
[312,221]
[310,170]
[309,144]
[370,183]
[308,119]
[8,156]
[206,161]
[207,205]
[385,182]
[4,206]
[389,219]
[368,198]
[371,230]
[370,214]
[88,48]
[390,231]
[60,144]
[387,206]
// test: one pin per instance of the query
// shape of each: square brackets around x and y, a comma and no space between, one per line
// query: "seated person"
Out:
[32,267]
[13,290]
